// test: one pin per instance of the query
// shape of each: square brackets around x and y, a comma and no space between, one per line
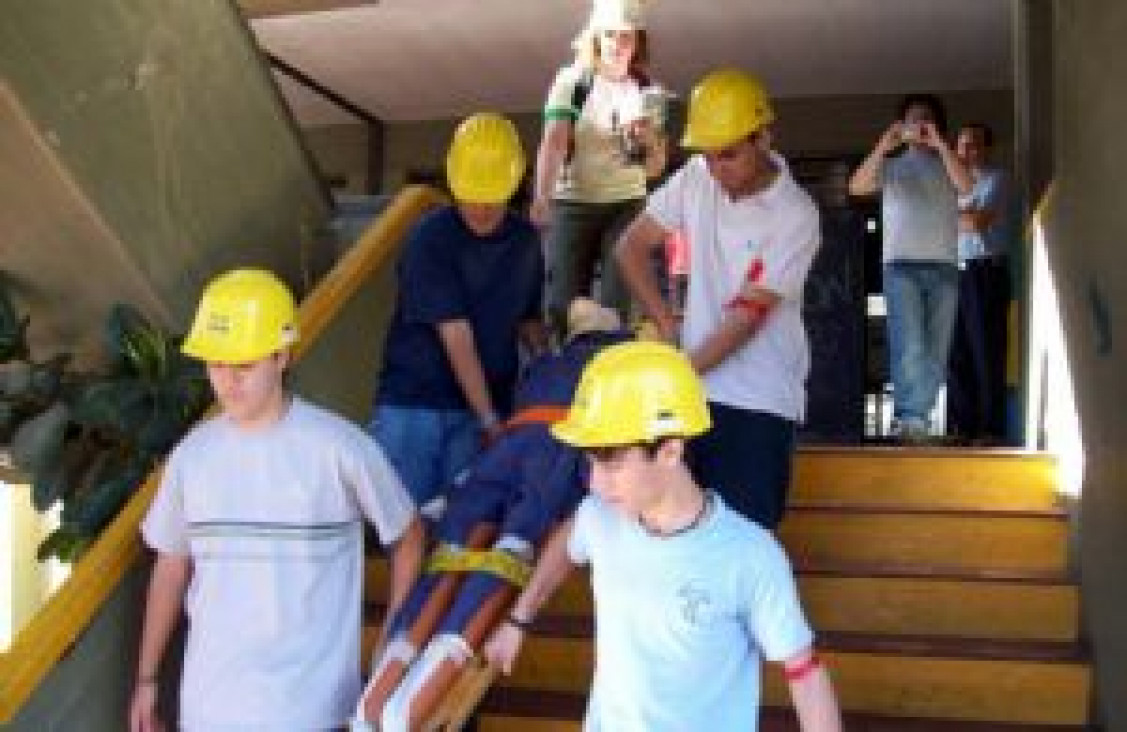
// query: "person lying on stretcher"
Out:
[512,496]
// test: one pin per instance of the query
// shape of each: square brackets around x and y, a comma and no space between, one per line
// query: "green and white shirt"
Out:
[597,171]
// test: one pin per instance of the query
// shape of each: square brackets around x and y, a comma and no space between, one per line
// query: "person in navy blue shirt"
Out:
[470,290]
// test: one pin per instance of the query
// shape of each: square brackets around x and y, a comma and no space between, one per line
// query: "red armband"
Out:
[754,310]
[802,670]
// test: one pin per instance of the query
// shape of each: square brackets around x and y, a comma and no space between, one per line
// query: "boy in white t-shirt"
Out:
[258,529]
[688,594]
[752,233]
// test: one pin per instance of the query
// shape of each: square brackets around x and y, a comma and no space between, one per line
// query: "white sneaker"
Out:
[911,431]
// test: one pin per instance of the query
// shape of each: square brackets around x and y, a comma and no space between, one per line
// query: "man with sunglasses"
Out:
[752,233]
[688,594]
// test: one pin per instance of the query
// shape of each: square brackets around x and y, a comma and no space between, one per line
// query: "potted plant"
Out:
[88,439]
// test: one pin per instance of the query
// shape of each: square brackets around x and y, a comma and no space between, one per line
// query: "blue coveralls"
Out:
[525,482]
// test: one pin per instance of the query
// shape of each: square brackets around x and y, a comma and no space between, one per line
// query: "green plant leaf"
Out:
[119,405]
[136,343]
[64,543]
[91,511]
[47,377]
[15,378]
[38,442]
[48,486]
[13,340]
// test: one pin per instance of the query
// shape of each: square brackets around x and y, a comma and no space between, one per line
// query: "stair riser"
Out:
[944,541]
[904,606]
[963,609]
[887,684]
[923,480]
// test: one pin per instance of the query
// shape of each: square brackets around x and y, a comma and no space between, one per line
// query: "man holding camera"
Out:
[920,179]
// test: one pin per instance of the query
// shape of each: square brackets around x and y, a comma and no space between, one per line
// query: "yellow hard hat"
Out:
[725,107]
[244,315]
[486,160]
[638,391]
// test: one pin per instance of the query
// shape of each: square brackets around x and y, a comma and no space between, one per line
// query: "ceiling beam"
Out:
[274,8]
[312,84]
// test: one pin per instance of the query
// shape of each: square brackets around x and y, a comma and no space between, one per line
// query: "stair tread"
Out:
[892,451]
[886,570]
[544,704]
[581,627]
[810,506]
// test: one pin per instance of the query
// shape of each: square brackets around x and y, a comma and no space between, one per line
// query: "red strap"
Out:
[802,670]
[547,414]
[756,310]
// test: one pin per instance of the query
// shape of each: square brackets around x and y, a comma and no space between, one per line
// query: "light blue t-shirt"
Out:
[989,192]
[683,621]
[919,209]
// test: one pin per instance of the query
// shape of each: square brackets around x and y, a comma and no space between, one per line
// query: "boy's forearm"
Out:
[815,702]
[406,563]
[162,612]
[461,351]
[552,568]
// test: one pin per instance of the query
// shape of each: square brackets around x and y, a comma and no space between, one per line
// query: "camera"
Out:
[633,150]
[912,132]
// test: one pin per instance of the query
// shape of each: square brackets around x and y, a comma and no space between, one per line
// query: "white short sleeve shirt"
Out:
[272,521]
[772,236]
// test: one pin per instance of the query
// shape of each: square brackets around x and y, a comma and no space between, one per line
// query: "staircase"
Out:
[936,580]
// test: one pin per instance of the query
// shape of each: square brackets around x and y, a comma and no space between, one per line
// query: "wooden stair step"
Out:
[969,679]
[899,600]
[523,710]
[941,607]
[949,540]
[979,479]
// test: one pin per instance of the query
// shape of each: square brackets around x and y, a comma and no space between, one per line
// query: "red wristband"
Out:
[756,310]
[802,670]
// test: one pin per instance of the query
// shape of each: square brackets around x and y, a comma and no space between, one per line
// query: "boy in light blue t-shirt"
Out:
[688,594]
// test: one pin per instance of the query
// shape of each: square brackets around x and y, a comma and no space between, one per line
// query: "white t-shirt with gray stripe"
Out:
[272,521]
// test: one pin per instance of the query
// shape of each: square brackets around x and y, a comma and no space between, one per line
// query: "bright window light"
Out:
[1052,422]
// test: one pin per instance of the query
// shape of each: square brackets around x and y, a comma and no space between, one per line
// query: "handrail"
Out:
[57,625]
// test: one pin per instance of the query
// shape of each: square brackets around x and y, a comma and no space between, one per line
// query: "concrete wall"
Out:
[1086,235]
[341,152]
[144,147]
[89,688]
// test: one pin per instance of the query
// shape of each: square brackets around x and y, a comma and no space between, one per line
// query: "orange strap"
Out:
[549,414]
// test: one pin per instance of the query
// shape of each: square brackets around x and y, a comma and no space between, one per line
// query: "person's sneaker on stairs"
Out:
[911,431]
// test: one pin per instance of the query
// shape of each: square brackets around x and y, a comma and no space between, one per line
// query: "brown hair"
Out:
[587,54]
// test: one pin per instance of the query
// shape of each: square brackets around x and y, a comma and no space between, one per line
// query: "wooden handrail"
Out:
[66,614]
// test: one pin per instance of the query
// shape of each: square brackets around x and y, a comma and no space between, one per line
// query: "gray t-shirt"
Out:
[683,621]
[272,521]
[919,208]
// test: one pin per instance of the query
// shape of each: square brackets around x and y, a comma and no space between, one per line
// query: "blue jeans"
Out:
[428,448]
[922,299]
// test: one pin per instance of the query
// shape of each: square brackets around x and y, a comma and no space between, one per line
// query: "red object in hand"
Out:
[755,271]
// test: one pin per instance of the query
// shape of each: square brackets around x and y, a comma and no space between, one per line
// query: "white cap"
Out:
[617,15]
